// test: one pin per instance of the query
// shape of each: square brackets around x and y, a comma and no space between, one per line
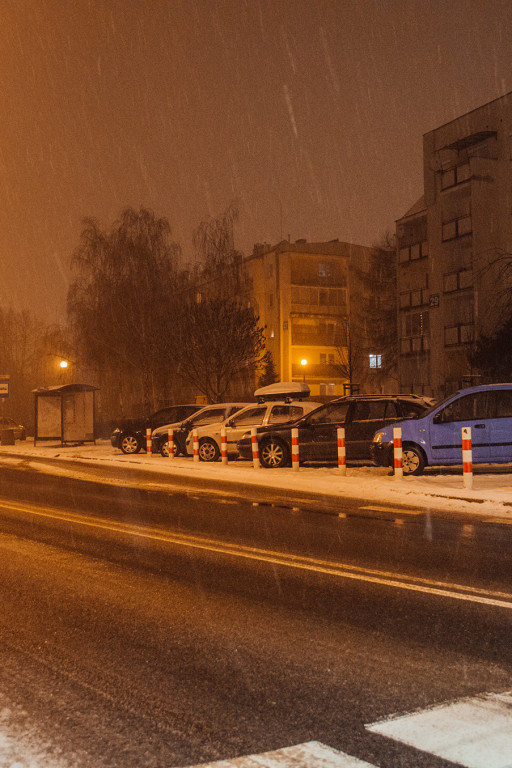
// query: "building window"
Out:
[331,359]
[323,388]
[457,281]
[413,252]
[415,333]
[457,228]
[455,335]
[270,300]
[453,176]
[323,358]
[326,270]
[375,361]
[331,388]
[414,298]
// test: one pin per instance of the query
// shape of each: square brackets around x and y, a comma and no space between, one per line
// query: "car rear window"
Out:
[412,409]
[330,414]
[251,416]
[282,413]
[209,417]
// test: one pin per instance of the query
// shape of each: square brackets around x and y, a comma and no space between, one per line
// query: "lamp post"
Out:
[304,363]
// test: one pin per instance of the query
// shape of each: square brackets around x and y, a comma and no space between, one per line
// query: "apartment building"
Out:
[310,298]
[449,248]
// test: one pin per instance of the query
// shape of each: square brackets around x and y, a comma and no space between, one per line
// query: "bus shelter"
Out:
[65,413]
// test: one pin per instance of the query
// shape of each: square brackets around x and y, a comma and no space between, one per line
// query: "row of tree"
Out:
[154,332]
[148,331]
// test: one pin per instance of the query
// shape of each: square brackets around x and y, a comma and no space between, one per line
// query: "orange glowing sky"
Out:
[310,112]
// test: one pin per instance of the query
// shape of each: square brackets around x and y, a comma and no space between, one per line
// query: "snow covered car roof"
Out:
[283,390]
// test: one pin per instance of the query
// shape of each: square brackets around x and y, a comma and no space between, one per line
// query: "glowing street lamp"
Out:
[63,363]
[304,363]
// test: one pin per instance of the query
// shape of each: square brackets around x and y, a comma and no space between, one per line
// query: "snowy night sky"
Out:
[309,112]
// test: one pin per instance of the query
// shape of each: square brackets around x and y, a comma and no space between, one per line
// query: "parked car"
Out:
[130,435]
[275,412]
[360,415]
[207,415]
[20,432]
[436,438]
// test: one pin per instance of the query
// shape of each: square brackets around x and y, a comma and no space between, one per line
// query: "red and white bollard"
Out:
[397,452]
[170,443]
[467,458]
[148,441]
[342,456]
[223,446]
[255,451]
[195,445]
[295,450]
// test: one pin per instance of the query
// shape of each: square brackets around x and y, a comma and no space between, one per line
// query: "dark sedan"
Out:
[130,435]
[360,415]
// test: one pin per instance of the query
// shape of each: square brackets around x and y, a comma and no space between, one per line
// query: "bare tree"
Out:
[221,272]
[345,360]
[121,308]
[220,340]
[30,353]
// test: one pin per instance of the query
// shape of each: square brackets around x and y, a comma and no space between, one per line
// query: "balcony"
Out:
[317,337]
[318,371]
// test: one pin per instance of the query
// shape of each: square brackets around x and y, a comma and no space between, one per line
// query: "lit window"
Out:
[375,361]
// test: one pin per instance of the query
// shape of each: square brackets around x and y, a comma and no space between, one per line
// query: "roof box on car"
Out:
[283,390]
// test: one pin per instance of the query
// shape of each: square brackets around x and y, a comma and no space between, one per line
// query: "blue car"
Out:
[436,437]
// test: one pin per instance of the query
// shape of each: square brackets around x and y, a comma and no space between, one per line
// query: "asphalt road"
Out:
[143,628]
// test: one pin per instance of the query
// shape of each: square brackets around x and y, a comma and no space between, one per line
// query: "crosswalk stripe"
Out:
[311,754]
[474,732]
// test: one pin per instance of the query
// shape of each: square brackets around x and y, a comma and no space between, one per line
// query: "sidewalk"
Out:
[491,495]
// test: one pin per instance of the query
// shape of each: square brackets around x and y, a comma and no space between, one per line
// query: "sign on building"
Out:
[4,385]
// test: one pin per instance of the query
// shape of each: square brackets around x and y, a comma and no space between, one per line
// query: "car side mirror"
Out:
[230,423]
[438,418]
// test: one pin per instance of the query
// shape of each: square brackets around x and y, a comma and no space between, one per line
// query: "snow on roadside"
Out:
[21,745]
[490,496]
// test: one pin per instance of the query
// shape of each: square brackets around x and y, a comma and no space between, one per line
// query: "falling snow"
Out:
[310,113]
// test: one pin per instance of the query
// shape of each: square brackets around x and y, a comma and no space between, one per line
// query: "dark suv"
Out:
[360,415]
[130,435]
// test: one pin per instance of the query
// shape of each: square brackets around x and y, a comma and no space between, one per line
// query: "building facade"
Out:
[451,245]
[309,297]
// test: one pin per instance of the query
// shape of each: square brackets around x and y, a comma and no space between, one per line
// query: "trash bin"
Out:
[7,436]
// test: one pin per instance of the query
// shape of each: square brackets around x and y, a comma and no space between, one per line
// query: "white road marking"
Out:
[312,754]
[328,567]
[475,733]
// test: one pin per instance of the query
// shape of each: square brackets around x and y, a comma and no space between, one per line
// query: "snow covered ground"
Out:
[491,495]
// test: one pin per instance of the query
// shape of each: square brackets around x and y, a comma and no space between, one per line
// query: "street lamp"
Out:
[304,362]
[63,363]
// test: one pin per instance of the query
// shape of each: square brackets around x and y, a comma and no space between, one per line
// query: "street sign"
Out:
[4,385]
